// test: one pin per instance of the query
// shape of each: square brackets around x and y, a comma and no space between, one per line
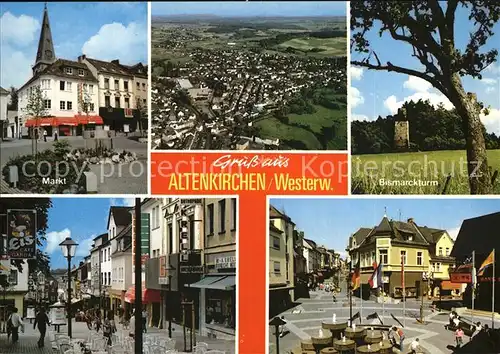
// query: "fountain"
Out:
[334,318]
[320,333]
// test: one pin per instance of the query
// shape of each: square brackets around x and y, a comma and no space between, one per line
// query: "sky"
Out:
[375,93]
[331,222]
[106,31]
[82,219]
[250,8]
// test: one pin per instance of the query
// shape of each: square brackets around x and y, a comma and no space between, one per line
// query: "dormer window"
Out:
[410,238]
[81,72]
[68,71]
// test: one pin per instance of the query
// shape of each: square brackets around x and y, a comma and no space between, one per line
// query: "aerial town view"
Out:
[383,276]
[249,76]
[74,116]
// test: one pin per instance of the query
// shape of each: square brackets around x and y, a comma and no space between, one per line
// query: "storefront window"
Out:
[220,308]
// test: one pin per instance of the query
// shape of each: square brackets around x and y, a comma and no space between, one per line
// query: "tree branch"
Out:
[450,19]
[390,67]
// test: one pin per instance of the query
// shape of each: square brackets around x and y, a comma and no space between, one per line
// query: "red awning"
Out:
[40,122]
[89,119]
[72,121]
[148,295]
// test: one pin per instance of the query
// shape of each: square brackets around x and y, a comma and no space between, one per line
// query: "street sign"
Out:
[191,269]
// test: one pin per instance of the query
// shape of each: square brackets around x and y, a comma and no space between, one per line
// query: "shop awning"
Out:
[71,121]
[148,295]
[40,122]
[89,119]
[448,285]
[226,282]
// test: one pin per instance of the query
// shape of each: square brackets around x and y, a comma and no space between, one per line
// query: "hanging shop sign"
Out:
[21,234]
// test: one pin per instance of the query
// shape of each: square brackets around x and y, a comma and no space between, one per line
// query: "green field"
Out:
[329,46]
[435,166]
[273,128]
[313,137]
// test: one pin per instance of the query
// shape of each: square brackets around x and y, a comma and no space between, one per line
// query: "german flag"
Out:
[488,262]
[356,277]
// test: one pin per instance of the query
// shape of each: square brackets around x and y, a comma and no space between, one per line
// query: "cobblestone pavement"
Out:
[28,341]
[304,320]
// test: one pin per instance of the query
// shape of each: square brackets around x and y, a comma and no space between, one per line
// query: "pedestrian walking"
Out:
[109,327]
[17,323]
[399,337]
[45,135]
[144,321]
[334,296]
[98,322]
[55,136]
[479,328]
[131,327]
[42,320]
[459,337]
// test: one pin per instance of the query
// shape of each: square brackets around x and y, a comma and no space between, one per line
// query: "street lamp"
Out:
[68,248]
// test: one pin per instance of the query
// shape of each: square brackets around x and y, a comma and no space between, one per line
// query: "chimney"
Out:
[82,58]
[116,61]
[411,221]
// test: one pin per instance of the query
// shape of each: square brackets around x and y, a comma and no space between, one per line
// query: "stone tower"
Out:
[45,55]
[402,131]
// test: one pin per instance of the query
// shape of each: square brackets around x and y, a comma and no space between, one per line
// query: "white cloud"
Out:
[116,41]
[454,232]
[15,67]
[343,254]
[20,31]
[417,84]
[84,246]
[54,238]
[359,117]
[356,98]
[490,89]
[356,73]
[488,81]
[129,202]
[492,121]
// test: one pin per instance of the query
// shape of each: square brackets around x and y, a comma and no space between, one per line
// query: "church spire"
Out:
[45,54]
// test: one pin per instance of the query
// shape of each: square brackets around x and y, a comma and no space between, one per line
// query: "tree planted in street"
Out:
[428,27]
[36,109]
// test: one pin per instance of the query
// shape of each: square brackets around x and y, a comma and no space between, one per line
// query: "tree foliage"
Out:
[42,206]
[14,99]
[430,129]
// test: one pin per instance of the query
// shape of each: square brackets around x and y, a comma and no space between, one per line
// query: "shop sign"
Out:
[21,234]
[191,269]
[57,315]
[128,112]
[225,262]
[163,281]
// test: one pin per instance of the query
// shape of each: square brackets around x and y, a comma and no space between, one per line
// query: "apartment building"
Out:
[281,257]
[393,242]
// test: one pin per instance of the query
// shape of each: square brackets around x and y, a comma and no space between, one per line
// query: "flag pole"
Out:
[361,294]
[383,302]
[404,291]
[493,294]
[473,282]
